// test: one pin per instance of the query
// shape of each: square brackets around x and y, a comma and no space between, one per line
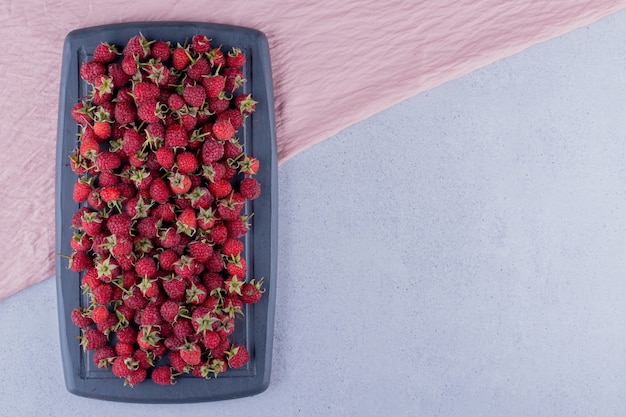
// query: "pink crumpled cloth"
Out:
[334,63]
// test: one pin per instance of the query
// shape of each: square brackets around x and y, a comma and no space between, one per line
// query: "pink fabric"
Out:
[334,63]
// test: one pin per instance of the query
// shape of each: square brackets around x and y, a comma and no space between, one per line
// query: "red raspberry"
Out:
[162,375]
[238,356]
[80,318]
[160,50]
[249,188]
[201,44]
[223,130]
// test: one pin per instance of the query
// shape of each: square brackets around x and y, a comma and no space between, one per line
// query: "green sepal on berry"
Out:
[205,322]
[107,269]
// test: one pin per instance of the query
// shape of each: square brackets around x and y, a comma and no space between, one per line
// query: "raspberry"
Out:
[250,188]
[104,356]
[80,319]
[92,339]
[162,375]
[238,356]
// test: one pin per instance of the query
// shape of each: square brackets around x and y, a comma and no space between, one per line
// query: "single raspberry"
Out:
[218,104]
[251,292]
[220,188]
[236,58]
[82,112]
[201,44]
[217,58]
[123,366]
[177,362]
[218,233]
[167,259]
[160,50]
[176,137]
[245,104]
[194,95]
[249,188]
[155,134]
[200,197]
[135,299]
[90,279]
[186,162]
[199,68]
[119,224]
[150,316]
[120,78]
[107,179]
[175,102]
[146,267]
[108,161]
[175,288]
[148,227]
[102,90]
[232,150]
[81,242]
[102,129]
[80,261]
[201,250]
[196,294]
[226,326]
[169,238]
[236,266]
[191,353]
[145,359]
[138,46]
[238,356]
[180,183]
[124,349]
[223,130]
[230,207]
[212,151]
[92,339]
[102,294]
[202,319]
[213,85]
[233,285]
[248,165]
[82,189]
[105,53]
[164,212]
[233,116]
[232,247]
[104,356]
[148,338]
[180,58]
[150,111]
[130,65]
[144,91]
[162,375]
[80,318]
[110,194]
[159,191]
[234,79]
[136,377]
[90,70]
[127,334]
[169,310]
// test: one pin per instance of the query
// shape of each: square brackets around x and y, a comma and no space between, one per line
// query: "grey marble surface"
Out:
[458,254]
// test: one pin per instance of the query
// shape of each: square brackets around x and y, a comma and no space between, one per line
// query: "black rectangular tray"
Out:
[258,136]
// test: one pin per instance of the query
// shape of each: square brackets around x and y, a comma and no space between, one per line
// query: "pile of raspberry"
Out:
[162,185]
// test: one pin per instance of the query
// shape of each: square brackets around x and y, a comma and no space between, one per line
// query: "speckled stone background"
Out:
[459,254]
